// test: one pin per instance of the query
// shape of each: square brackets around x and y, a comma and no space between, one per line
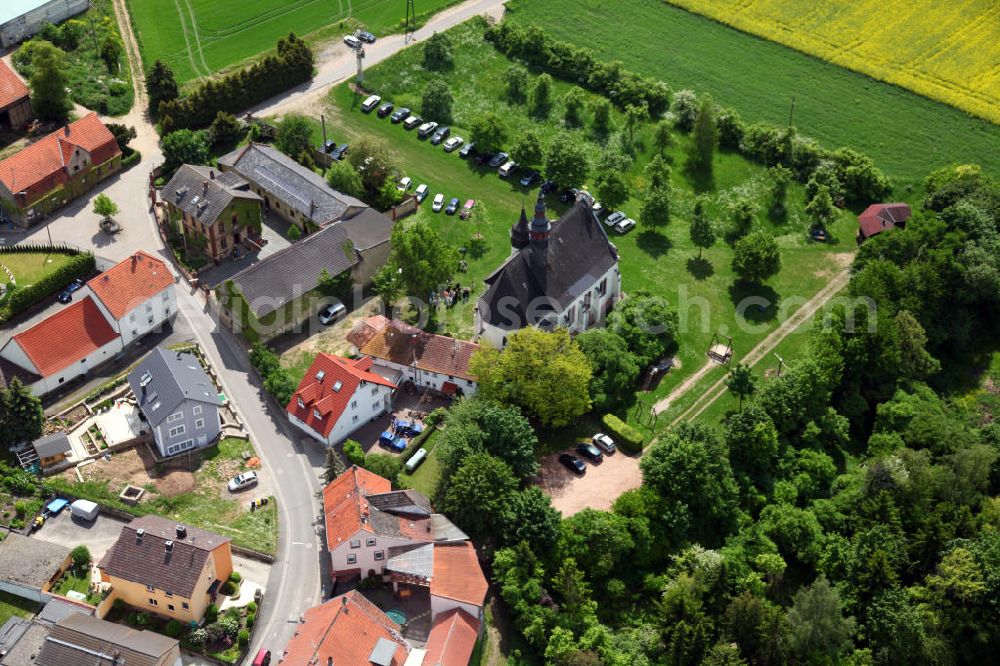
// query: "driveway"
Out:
[597,488]
[97,536]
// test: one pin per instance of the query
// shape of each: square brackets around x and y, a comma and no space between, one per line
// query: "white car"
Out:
[453,143]
[332,313]
[352,41]
[242,481]
[370,103]
[604,442]
[404,183]
[625,226]
[421,192]
[615,218]
[438,203]
[507,169]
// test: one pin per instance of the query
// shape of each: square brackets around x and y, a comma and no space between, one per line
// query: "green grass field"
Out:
[11,605]
[906,134]
[199,37]
[658,262]
[29,267]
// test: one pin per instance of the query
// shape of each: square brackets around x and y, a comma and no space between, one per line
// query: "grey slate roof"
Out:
[58,608]
[52,445]
[579,253]
[368,229]
[170,379]
[79,639]
[24,651]
[11,632]
[30,562]
[289,273]
[402,502]
[204,193]
[147,562]
[295,186]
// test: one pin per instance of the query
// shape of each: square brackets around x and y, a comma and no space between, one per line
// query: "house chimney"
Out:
[204,188]
[138,535]
[343,601]
[181,531]
[66,130]
[168,546]
[211,174]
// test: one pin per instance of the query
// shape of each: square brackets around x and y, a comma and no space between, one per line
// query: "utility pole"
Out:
[411,21]
[93,32]
[322,121]
[361,59]
[781,363]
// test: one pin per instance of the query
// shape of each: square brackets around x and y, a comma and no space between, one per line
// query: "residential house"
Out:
[880,217]
[29,567]
[347,630]
[65,346]
[179,400]
[337,396]
[430,361]
[80,639]
[57,168]
[23,18]
[215,212]
[15,100]
[137,295]
[293,192]
[52,449]
[559,274]
[452,639]
[22,639]
[165,568]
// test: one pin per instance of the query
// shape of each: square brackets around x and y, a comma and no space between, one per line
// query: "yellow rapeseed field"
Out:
[948,51]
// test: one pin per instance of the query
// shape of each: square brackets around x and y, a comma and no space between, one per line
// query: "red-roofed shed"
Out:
[880,217]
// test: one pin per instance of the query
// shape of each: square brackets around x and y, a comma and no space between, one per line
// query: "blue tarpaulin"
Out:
[56,505]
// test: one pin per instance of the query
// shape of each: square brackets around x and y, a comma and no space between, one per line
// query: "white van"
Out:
[84,510]
[506,169]
[415,461]
[370,103]
[352,41]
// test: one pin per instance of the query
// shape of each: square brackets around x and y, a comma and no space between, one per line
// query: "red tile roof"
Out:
[66,337]
[130,283]
[344,503]
[344,629]
[457,574]
[401,343]
[366,329]
[452,639]
[878,217]
[12,88]
[42,166]
[325,396]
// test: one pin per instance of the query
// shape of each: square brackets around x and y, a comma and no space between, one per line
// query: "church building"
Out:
[561,273]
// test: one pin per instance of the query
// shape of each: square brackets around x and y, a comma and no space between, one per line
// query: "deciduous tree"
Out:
[702,231]
[819,631]
[527,150]
[478,493]
[573,102]
[655,211]
[293,135]
[615,368]
[704,139]
[566,162]
[436,101]
[647,323]
[530,517]
[516,79]
[426,259]
[488,133]
[48,82]
[541,96]
[756,257]
[438,52]
[344,178]
[741,382]
[611,187]
[105,207]
[820,208]
[184,147]
[600,125]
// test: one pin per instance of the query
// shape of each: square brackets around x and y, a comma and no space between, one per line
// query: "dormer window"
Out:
[316,414]
[301,403]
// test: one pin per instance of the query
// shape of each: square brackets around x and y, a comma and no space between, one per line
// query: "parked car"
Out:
[400,115]
[370,103]
[568,195]
[421,192]
[548,186]
[589,451]
[339,152]
[440,135]
[242,481]
[332,313]
[66,295]
[412,122]
[438,203]
[467,209]
[328,146]
[598,208]
[404,183]
[507,169]
[817,234]
[615,218]
[529,179]
[352,41]
[452,206]
[573,463]
[498,159]
[263,658]
[453,143]
[384,110]
[604,443]
[467,150]
[366,36]
[84,510]
[389,440]
[427,129]
[625,226]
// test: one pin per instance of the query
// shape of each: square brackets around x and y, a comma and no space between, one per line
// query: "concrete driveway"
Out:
[97,536]
[597,488]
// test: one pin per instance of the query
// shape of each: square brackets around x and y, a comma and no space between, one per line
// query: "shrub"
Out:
[251,619]
[354,453]
[142,619]
[251,607]
[130,160]
[211,613]
[293,233]
[198,636]
[215,632]
[436,417]
[244,637]
[230,625]
[118,605]
[626,437]
[20,508]
[229,588]
[235,577]
[174,629]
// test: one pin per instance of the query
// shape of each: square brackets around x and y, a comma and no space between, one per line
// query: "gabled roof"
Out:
[29,562]
[402,502]
[51,445]
[79,639]
[882,216]
[12,88]
[452,639]
[50,154]
[166,379]
[366,329]
[347,630]
[67,337]
[368,229]
[579,253]
[297,187]
[10,371]
[131,282]
[328,387]
[398,342]
[344,503]
[204,193]
[147,561]
[457,574]
[289,273]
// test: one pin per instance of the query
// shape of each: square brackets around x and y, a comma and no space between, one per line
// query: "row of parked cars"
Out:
[594,451]
[358,39]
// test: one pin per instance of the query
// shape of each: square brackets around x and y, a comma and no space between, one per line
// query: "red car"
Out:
[467,209]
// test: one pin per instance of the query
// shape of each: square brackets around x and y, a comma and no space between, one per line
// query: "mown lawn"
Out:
[30,267]
[662,263]
[907,135]
[425,477]
[11,605]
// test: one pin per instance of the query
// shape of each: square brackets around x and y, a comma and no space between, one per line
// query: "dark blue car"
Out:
[66,295]
[391,441]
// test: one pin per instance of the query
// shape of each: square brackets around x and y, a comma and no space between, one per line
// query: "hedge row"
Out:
[292,65]
[626,437]
[22,298]
[417,443]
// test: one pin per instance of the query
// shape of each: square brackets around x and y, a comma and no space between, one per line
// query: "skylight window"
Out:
[337,385]
[145,379]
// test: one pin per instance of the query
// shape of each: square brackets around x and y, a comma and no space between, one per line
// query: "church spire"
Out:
[540,226]
[519,233]
[539,240]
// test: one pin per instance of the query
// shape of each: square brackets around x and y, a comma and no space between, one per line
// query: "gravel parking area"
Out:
[597,488]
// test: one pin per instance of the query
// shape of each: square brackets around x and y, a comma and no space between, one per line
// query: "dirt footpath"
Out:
[597,488]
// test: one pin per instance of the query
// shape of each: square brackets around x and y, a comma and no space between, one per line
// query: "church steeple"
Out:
[519,233]
[540,226]
[539,237]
